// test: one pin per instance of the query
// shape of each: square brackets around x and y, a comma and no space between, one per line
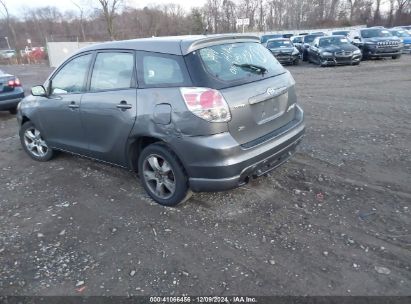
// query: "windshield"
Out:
[343,33]
[231,62]
[310,38]
[373,33]
[324,42]
[400,33]
[297,39]
[279,44]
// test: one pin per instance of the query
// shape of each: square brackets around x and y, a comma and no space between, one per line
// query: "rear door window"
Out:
[161,70]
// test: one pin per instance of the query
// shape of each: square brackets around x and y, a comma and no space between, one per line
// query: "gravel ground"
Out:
[335,220]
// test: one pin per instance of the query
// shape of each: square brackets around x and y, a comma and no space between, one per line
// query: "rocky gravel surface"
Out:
[335,220]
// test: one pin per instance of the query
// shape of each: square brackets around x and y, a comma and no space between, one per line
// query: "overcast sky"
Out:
[16,7]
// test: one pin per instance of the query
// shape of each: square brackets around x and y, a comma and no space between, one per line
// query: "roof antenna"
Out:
[205,30]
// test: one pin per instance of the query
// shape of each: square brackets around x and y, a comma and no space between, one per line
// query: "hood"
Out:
[338,48]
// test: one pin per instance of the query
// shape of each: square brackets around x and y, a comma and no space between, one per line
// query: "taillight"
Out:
[207,104]
[14,83]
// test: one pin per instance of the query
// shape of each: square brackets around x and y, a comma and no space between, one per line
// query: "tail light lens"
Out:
[14,83]
[207,104]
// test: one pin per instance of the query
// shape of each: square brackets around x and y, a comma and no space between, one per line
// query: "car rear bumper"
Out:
[218,162]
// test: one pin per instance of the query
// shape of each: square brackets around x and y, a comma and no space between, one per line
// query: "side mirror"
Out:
[38,90]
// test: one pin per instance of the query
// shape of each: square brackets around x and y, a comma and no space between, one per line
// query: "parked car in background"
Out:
[284,51]
[318,33]
[340,33]
[376,43]
[7,54]
[205,113]
[297,41]
[265,38]
[405,37]
[288,35]
[307,40]
[11,92]
[302,34]
[333,50]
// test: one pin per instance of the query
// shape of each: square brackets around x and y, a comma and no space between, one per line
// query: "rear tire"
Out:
[162,175]
[34,144]
[296,62]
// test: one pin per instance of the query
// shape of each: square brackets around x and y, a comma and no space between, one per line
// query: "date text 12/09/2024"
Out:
[211,299]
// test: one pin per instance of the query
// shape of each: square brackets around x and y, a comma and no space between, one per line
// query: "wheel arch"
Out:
[136,145]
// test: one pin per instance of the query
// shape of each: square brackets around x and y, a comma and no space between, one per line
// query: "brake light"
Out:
[14,83]
[207,104]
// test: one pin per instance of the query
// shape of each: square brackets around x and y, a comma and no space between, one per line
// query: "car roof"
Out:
[175,45]
[278,39]
[331,36]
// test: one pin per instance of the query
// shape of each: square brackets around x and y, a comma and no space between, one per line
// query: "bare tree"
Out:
[401,5]
[10,26]
[110,9]
[83,34]
[391,13]
[377,12]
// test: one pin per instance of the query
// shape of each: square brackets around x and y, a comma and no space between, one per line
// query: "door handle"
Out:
[73,105]
[124,105]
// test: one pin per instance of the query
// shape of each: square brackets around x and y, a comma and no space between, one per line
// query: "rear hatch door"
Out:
[260,107]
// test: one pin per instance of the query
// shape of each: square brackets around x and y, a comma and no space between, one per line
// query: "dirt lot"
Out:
[335,220]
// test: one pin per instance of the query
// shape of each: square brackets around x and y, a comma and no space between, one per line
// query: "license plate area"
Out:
[269,109]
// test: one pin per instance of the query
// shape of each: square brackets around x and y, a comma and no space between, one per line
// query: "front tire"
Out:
[162,175]
[396,57]
[34,144]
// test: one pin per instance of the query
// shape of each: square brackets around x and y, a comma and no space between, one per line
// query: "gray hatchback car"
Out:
[188,113]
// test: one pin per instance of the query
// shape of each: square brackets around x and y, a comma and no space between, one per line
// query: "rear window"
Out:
[222,62]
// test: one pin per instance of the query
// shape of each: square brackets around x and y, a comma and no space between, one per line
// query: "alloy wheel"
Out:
[159,176]
[35,144]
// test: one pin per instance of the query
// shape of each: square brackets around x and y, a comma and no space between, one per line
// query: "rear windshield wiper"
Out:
[252,67]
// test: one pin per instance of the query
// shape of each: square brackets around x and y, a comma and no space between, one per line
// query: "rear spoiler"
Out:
[188,46]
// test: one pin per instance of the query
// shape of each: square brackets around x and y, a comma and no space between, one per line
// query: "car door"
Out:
[59,117]
[109,107]
[311,51]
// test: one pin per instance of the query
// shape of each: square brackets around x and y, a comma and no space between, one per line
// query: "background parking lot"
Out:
[335,220]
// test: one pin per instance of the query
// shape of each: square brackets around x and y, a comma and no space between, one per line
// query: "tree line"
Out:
[100,20]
